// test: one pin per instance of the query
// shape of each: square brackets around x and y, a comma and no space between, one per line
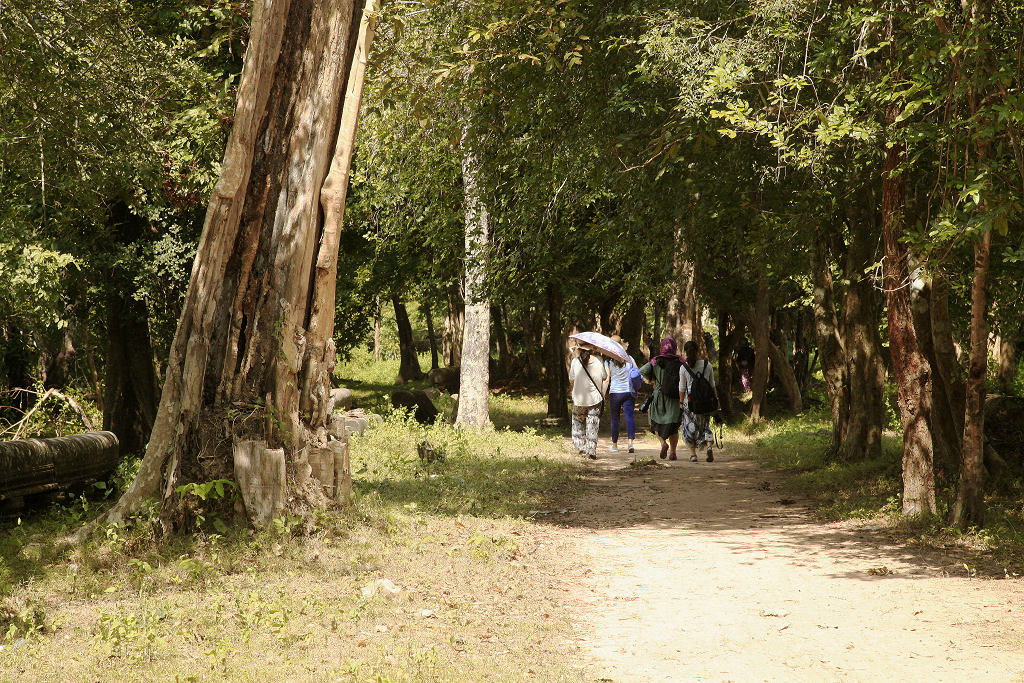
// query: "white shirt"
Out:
[701,367]
[584,392]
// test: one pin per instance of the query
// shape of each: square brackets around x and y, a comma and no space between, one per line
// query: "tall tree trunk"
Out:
[759,327]
[248,377]
[913,376]
[476,337]
[557,379]
[945,437]
[831,353]
[679,310]
[453,327]
[865,368]
[409,362]
[431,337]
[533,343]
[969,507]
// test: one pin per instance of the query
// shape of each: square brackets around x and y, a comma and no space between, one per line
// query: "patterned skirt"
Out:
[696,429]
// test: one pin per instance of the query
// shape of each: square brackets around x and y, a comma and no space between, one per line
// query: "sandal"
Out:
[673,457]
[664,451]
[693,458]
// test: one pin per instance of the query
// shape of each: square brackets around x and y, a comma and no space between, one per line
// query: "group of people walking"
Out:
[682,394]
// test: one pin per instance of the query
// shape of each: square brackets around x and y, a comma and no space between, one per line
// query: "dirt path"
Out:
[704,571]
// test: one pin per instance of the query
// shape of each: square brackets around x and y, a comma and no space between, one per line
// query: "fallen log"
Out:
[33,465]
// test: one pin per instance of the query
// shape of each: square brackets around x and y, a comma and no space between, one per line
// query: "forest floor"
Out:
[710,571]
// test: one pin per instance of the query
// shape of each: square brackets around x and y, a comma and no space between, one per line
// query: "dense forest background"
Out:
[840,183]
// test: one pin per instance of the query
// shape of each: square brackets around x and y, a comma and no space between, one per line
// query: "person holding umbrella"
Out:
[664,410]
[589,384]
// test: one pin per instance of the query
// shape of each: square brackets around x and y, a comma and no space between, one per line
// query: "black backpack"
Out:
[670,377]
[703,400]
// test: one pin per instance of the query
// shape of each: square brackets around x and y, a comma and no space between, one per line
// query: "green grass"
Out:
[455,536]
[872,489]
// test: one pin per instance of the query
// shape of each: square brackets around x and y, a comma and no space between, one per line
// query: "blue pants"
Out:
[626,402]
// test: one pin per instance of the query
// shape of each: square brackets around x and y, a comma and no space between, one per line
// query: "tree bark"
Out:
[969,507]
[453,328]
[945,437]
[376,329]
[409,362]
[679,310]
[760,322]
[865,368]
[253,353]
[831,353]
[476,336]
[557,378]
[787,377]
[132,392]
[432,338]
[913,376]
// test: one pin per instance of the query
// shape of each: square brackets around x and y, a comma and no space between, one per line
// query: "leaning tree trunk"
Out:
[831,353]
[913,376]
[474,372]
[409,362]
[969,507]
[248,375]
[759,327]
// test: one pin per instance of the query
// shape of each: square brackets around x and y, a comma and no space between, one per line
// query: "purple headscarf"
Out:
[668,350]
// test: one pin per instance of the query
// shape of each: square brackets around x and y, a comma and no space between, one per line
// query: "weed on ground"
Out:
[436,572]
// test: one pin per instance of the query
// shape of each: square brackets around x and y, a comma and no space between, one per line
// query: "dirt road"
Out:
[707,571]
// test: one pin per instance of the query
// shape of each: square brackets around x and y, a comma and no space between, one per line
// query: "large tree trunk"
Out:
[557,379]
[913,376]
[682,301]
[132,391]
[409,362]
[865,368]
[631,327]
[969,507]
[252,357]
[945,435]
[476,337]
[831,353]
[759,327]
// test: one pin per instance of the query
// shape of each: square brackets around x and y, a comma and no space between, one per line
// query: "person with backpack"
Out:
[588,382]
[621,396]
[699,399]
[664,411]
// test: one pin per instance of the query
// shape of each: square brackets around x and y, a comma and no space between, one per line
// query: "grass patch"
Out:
[872,489]
[437,572]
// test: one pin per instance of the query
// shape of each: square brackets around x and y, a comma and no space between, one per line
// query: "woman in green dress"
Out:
[664,410]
